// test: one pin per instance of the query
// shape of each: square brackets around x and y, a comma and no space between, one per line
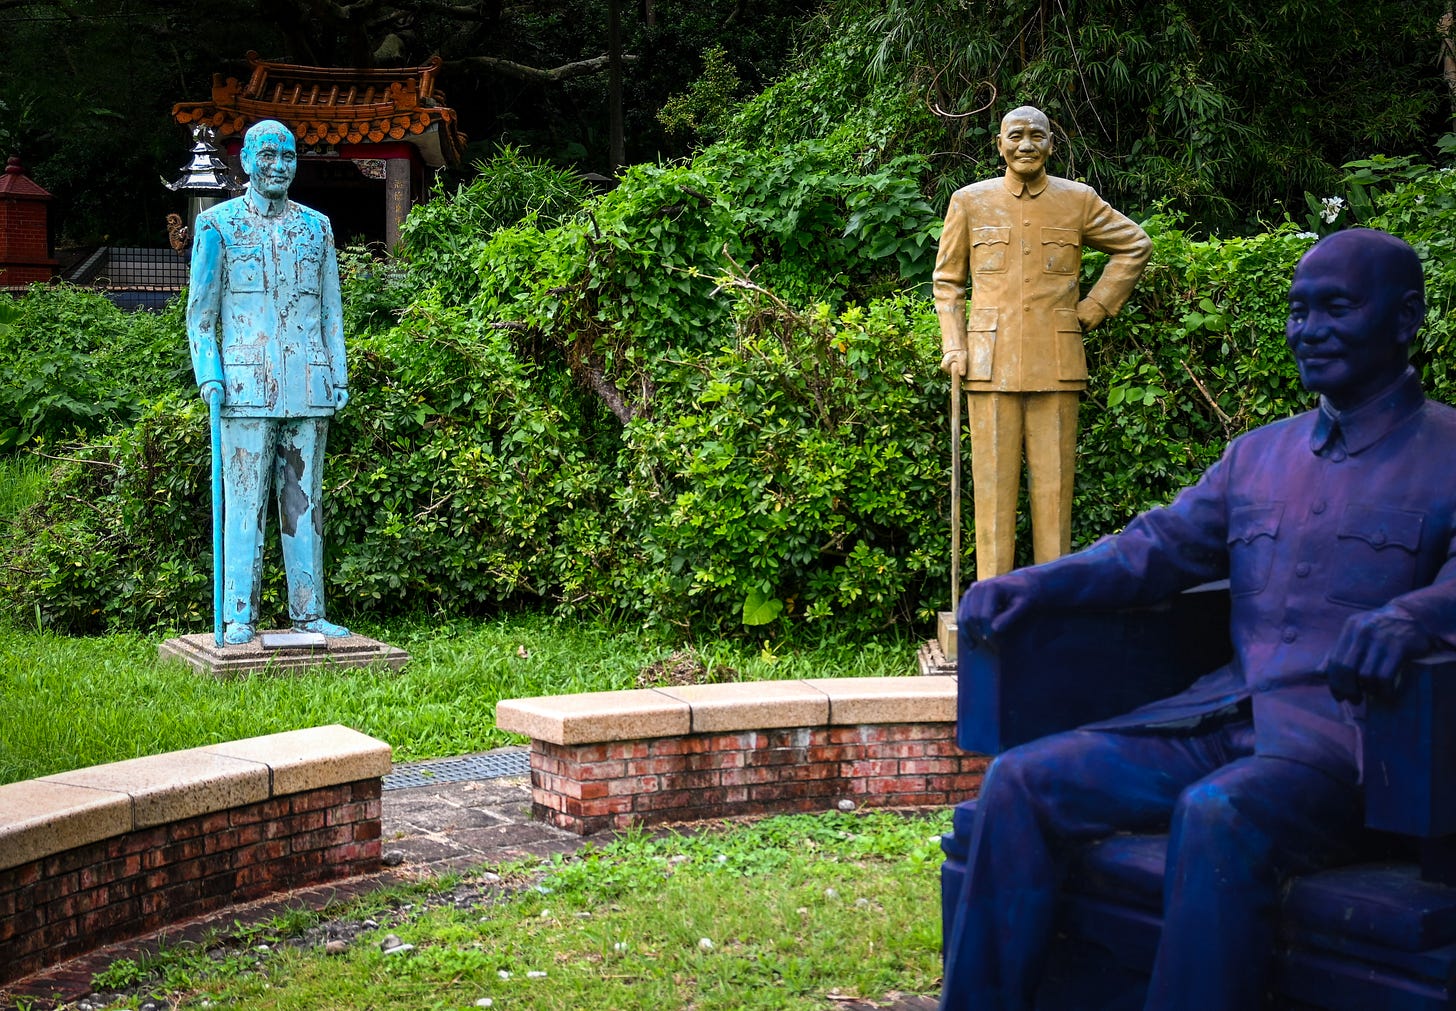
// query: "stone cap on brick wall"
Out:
[52,814]
[595,717]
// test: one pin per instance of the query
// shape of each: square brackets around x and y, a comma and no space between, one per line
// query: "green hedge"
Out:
[705,400]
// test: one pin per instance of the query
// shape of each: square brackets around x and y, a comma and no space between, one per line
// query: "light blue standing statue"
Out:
[265,325]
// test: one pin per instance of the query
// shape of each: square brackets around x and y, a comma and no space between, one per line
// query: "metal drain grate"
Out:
[487,765]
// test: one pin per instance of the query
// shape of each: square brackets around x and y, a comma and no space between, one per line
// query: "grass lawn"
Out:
[787,914]
[73,702]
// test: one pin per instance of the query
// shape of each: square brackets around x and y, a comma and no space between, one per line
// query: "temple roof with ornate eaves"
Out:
[335,105]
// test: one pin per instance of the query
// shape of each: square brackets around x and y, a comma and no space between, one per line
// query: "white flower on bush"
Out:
[1332,208]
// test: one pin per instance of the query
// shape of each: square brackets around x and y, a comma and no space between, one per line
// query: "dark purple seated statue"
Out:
[1337,532]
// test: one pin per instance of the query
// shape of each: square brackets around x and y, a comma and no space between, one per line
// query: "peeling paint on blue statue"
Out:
[265,325]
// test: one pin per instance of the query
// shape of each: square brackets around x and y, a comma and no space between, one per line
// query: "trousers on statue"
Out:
[1000,425]
[285,455]
[1238,823]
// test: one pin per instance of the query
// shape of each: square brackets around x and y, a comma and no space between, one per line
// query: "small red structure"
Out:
[25,249]
[365,137]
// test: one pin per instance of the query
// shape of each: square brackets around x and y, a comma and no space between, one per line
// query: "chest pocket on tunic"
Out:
[245,268]
[1252,536]
[989,244]
[1375,554]
[1061,250]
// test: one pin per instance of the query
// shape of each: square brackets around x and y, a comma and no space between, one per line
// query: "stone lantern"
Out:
[206,178]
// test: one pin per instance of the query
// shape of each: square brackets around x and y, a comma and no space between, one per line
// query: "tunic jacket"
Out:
[1312,520]
[1021,248]
[264,316]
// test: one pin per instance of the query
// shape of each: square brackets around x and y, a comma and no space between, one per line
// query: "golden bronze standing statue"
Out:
[1017,242]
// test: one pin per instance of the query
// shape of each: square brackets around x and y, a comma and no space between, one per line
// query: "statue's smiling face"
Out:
[271,160]
[1025,142]
[1355,304]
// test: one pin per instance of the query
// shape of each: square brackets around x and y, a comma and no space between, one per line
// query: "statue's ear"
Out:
[1410,313]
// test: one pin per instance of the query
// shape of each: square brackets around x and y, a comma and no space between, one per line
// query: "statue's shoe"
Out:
[321,626]
[237,633]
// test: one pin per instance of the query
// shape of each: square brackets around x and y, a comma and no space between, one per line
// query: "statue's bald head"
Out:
[1384,260]
[1030,113]
[264,132]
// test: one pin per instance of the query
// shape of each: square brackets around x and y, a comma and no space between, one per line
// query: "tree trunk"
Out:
[614,85]
[1448,56]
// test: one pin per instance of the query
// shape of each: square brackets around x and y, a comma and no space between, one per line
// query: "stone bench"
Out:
[614,759]
[115,851]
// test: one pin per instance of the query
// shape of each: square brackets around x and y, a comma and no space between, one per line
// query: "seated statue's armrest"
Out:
[1410,762]
[1055,670]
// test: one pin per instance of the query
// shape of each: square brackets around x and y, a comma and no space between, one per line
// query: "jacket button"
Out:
[1317,508]
[1290,633]
[1377,538]
[1302,569]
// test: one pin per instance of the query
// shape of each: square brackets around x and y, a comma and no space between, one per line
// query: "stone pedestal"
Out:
[202,653]
[938,655]
[945,633]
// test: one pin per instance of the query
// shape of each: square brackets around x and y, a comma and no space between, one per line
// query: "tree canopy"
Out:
[87,85]
[1224,110]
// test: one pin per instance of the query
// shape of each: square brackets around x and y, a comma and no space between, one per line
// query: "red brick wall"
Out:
[59,906]
[588,787]
[24,244]
[22,231]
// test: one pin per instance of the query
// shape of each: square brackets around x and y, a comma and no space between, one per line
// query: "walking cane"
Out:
[955,491]
[214,414]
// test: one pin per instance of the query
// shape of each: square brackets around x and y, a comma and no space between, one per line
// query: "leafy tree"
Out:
[88,86]
[1220,109]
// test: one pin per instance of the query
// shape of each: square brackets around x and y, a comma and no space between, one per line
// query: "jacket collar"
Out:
[1017,188]
[1362,427]
[260,204]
